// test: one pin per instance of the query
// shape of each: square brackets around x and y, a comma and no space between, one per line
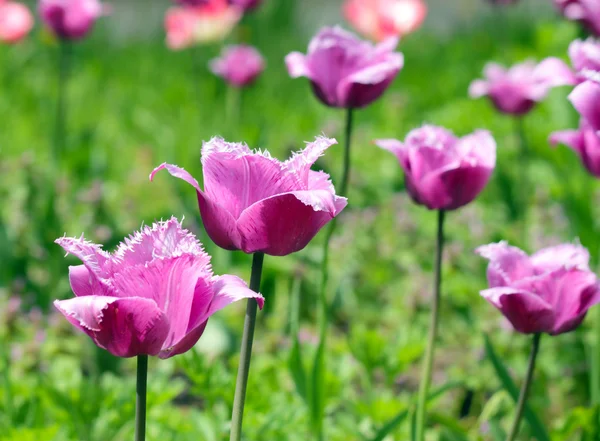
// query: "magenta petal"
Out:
[575,294]
[228,289]
[296,65]
[565,255]
[84,283]
[527,312]
[463,185]
[570,138]
[186,343]
[124,327]
[554,72]
[286,223]
[301,162]
[96,260]
[586,99]
[507,264]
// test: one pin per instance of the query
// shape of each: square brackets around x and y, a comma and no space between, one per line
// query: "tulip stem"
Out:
[346,171]
[524,181]
[140,398]
[433,327]
[514,430]
[246,351]
[60,122]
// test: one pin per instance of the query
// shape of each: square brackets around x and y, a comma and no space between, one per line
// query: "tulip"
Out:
[442,171]
[381,19]
[586,12]
[255,203]
[585,142]
[15,22]
[585,58]
[246,5]
[71,19]
[345,71]
[239,65]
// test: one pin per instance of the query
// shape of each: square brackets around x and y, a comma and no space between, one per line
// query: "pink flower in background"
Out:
[381,19]
[345,71]
[586,99]
[516,91]
[585,58]
[246,5]
[71,19]
[549,291]
[255,203]
[239,65]
[586,12]
[444,172]
[207,22]
[15,22]
[152,296]
[585,142]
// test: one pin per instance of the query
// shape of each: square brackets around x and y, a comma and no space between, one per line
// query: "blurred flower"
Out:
[246,5]
[586,99]
[381,19]
[71,19]
[210,21]
[15,22]
[516,90]
[255,203]
[549,291]
[585,142]
[444,172]
[152,296]
[239,65]
[345,71]
[586,12]
[585,57]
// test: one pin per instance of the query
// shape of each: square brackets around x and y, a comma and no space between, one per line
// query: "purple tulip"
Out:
[442,171]
[516,91]
[255,203]
[586,143]
[239,65]
[586,12]
[152,296]
[345,71]
[246,5]
[549,291]
[71,19]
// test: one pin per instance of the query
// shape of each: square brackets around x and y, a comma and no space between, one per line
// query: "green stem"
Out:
[140,396]
[524,179]
[62,77]
[246,351]
[348,144]
[433,327]
[514,430]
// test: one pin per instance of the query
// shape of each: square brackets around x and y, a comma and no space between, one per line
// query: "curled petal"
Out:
[561,256]
[301,162]
[570,138]
[93,257]
[297,66]
[85,283]
[507,264]
[228,289]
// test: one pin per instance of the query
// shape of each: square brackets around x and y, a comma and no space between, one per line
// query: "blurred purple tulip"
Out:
[549,291]
[586,99]
[239,65]
[586,12]
[71,19]
[344,70]
[246,5]
[152,296]
[585,58]
[442,171]
[515,91]
[255,203]
[585,142]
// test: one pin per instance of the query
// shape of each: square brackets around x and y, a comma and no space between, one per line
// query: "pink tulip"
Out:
[516,91]
[586,99]
[585,142]
[71,19]
[15,22]
[444,172]
[255,203]
[549,291]
[381,19]
[238,65]
[585,58]
[207,22]
[586,12]
[345,71]
[152,296]
[245,5]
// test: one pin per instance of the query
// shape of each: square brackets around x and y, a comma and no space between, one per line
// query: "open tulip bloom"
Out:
[547,292]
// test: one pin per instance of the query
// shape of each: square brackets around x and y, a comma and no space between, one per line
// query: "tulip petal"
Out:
[228,289]
[479,88]
[85,283]
[554,72]
[93,257]
[462,185]
[297,65]
[507,264]
[125,327]
[186,343]
[570,138]
[561,256]
[301,162]
[397,148]
[586,99]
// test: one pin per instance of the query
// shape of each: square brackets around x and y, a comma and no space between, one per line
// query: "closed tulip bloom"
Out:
[15,22]
[585,142]
[239,65]
[381,19]
[71,19]
[444,172]
[549,291]
[516,91]
[152,296]
[255,203]
[586,12]
[345,71]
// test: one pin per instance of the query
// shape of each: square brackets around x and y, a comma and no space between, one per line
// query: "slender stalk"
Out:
[64,54]
[246,351]
[140,398]
[514,430]
[433,327]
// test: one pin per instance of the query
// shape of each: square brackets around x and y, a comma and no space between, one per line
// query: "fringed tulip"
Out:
[345,71]
[550,291]
[239,65]
[586,12]
[71,19]
[516,91]
[381,19]
[152,296]
[255,203]
[444,172]
[585,142]
[15,22]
